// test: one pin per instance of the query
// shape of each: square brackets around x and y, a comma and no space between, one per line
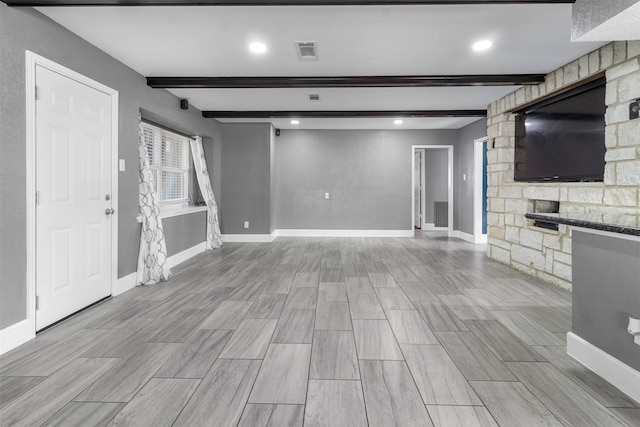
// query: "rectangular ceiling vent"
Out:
[307,51]
[314,97]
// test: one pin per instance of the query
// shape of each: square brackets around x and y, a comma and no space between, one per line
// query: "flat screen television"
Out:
[563,138]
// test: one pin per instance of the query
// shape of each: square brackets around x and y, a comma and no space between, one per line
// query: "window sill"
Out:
[171,212]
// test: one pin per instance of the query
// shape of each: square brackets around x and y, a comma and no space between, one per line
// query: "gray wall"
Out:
[435,180]
[463,164]
[26,29]
[606,292]
[246,174]
[366,173]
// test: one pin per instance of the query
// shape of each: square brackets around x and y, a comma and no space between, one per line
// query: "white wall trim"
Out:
[449,149]
[124,284]
[16,334]
[180,257]
[477,190]
[33,60]
[248,238]
[344,233]
[129,281]
[621,375]
[432,227]
[470,237]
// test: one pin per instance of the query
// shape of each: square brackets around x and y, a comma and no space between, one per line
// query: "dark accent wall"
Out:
[246,174]
[463,164]
[367,174]
[24,29]
[606,291]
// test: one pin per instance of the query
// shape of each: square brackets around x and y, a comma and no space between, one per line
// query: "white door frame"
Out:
[477,190]
[449,149]
[422,191]
[33,60]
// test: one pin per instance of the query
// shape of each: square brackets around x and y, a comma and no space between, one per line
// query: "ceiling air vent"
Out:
[314,97]
[307,51]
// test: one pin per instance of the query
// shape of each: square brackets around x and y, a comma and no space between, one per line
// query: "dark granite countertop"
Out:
[612,222]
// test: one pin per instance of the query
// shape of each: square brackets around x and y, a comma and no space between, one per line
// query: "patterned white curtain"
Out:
[152,258]
[214,239]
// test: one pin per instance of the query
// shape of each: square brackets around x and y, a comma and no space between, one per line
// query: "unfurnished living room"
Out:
[320,213]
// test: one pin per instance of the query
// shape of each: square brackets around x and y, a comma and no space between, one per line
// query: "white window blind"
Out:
[169,160]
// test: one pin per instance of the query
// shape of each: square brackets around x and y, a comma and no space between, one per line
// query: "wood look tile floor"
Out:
[317,332]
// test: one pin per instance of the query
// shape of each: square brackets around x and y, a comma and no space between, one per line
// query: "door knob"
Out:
[109,211]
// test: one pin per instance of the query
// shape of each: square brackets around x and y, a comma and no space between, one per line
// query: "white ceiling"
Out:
[352,40]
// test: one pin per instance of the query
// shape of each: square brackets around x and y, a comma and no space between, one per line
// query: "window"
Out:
[170,163]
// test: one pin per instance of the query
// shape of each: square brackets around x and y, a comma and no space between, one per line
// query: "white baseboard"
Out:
[16,334]
[429,226]
[344,233]
[176,259]
[470,237]
[248,238]
[129,281]
[621,375]
[124,284]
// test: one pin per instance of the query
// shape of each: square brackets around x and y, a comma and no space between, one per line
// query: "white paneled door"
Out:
[74,213]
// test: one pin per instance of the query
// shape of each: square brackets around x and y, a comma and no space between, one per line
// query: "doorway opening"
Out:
[480,190]
[432,187]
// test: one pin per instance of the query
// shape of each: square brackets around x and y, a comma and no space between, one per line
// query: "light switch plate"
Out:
[326,195]
[121,166]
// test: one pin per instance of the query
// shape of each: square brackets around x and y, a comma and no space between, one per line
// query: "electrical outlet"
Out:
[121,165]
[464,176]
[246,224]
[326,195]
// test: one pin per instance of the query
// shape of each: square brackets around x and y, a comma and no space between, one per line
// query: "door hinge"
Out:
[37,93]
[37,302]
[37,198]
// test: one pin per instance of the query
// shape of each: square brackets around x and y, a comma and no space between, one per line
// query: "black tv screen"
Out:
[563,138]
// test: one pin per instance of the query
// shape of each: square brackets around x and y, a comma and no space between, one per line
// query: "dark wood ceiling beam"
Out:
[342,114]
[345,81]
[267,2]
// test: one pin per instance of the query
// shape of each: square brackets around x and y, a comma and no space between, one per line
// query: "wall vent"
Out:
[307,51]
[314,97]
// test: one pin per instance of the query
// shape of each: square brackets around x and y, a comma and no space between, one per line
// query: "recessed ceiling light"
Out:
[482,45]
[397,122]
[295,122]
[257,47]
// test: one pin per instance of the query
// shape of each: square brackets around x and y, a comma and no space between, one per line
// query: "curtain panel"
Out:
[214,238]
[153,266]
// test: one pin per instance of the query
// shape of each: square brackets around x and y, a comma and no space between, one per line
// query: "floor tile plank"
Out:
[228,315]
[264,415]
[41,402]
[250,340]
[332,291]
[570,404]
[333,316]
[196,356]
[335,403]
[409,328]
[391,395]
[295,327]
[375,340]
[157,404]
[460,416]
[511,404]
[438,378]
[333,356]
[82,414]
[284,375]
[125,378]
[221,396]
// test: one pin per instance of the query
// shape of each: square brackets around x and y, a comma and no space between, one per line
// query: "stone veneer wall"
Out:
[513,239]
